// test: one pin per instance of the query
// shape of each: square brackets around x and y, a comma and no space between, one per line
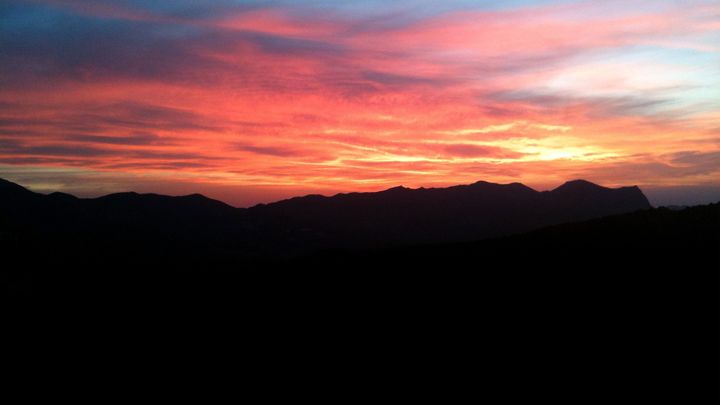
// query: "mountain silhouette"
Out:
[574,284]
[398,215]
[467,212]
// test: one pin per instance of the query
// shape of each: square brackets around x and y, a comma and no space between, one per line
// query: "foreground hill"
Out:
[614,307]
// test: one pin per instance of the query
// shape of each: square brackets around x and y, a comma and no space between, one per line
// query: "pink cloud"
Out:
[273,98]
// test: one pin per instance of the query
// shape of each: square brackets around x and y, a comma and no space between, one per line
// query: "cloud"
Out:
[469,150]
[271,150]
[695,158]
[338,95]
[58,150]
[140,138]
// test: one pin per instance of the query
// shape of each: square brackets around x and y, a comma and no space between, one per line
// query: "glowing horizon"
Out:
[253,101]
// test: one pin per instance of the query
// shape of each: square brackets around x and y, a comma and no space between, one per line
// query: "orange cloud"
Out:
[272,99]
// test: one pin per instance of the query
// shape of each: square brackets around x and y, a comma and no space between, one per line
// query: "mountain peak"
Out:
[60,196]
[520,186]
[584,193]
[195,196]
[120,196]
[578,185]
[8,186]
[397,188]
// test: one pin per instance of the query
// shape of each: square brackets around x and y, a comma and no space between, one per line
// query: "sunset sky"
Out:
[253,101]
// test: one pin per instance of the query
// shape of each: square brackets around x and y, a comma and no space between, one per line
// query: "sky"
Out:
[254,101]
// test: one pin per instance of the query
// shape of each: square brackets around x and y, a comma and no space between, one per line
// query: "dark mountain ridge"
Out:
[628,300]
[395,216]
[398,215]
[464,212]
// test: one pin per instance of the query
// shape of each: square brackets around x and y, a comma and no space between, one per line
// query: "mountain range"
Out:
[567,287]
[397,216]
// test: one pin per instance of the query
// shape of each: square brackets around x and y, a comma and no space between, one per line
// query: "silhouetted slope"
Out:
[595,308]
[395,216]
[627,303]
[121,215]
[15,198]
[476,211]
[580,199]
[10,189]
[175,214]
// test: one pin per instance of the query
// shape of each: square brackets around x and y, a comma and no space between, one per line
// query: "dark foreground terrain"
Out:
[619,308]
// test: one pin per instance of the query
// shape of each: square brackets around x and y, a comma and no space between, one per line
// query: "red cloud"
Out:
[272,97]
